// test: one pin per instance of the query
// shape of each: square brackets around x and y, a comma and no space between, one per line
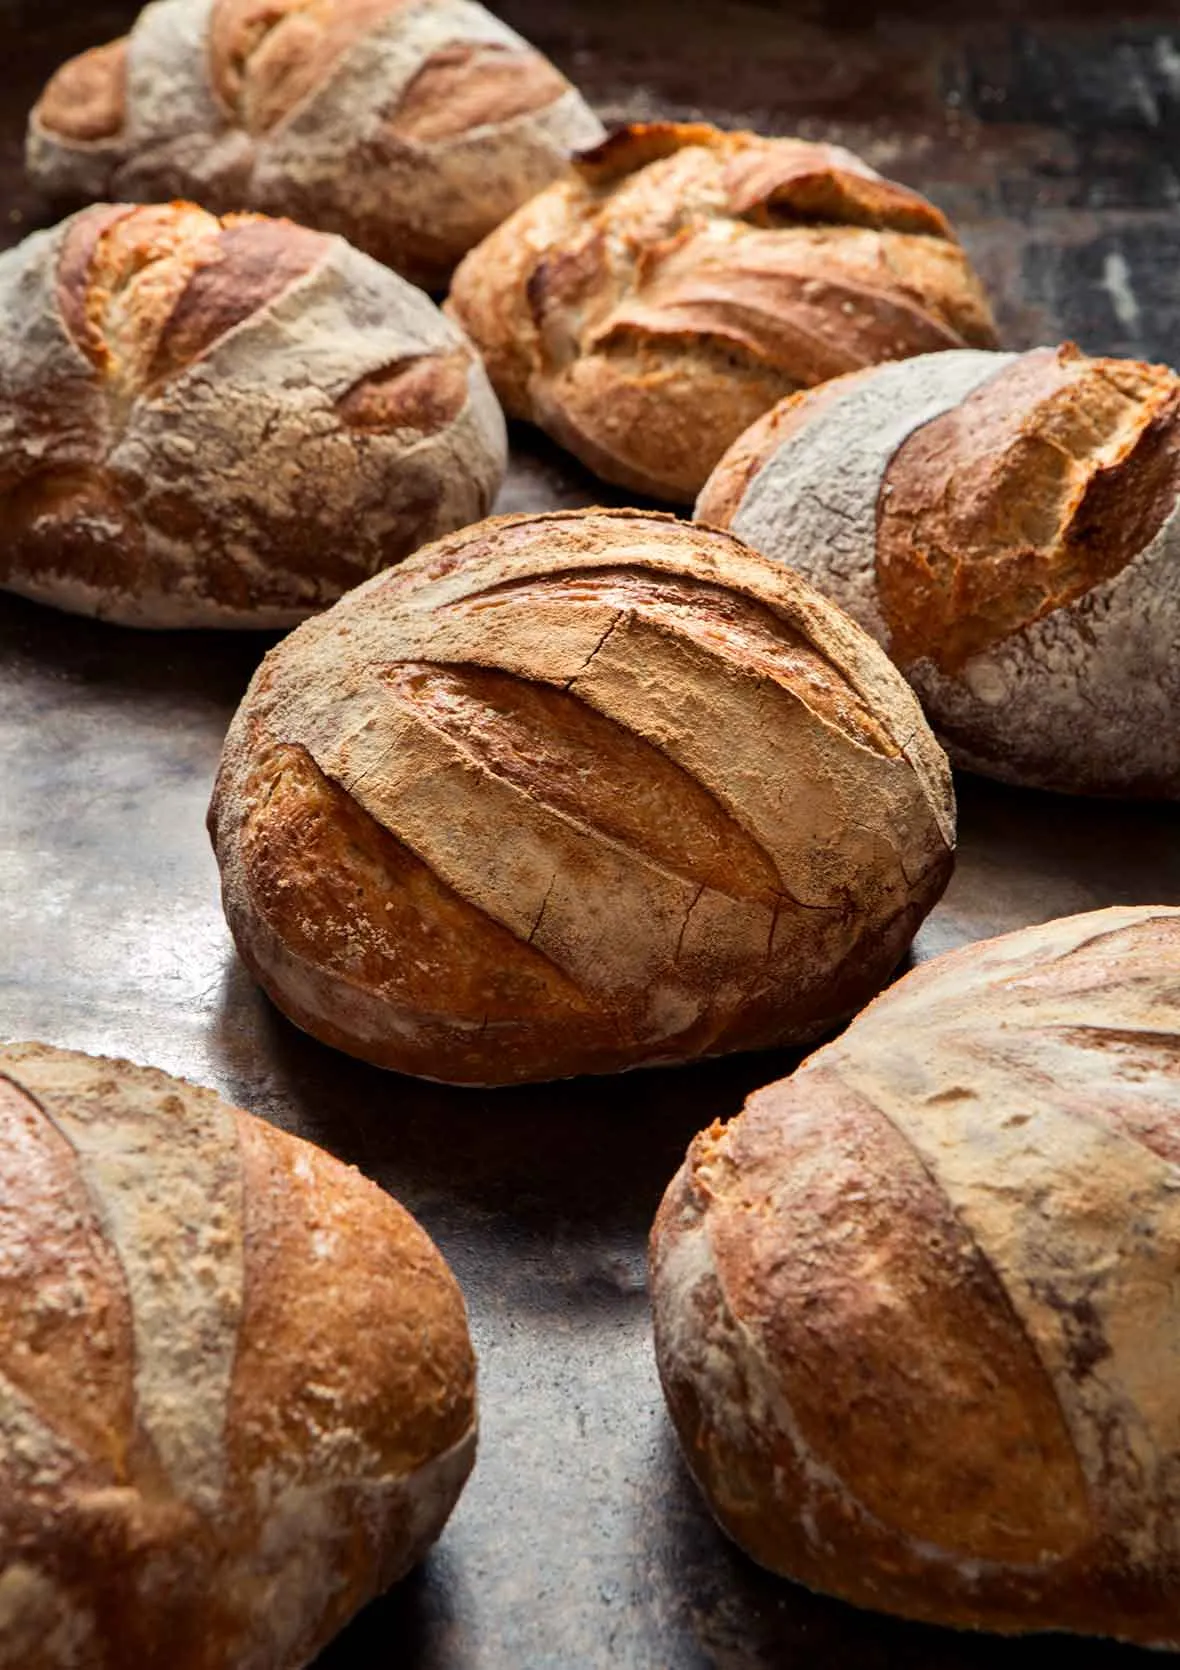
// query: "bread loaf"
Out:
[237,1392]
[411,127]
[225,423]
[916,1308]
[573,793]
[1007,526]
[647,309]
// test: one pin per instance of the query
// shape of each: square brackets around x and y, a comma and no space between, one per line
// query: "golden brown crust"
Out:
[906,1306]
[227,1426]
[267,56]
[86,99]
[1042,484]
[469,86]
[535,788]
[690,271]
[226,421]
[411,129]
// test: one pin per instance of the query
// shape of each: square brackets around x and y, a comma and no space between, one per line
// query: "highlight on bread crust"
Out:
[228,422]
[1007,526]
[411,127]
[237,1391]
[915,1307]
[645,310]
[574,793]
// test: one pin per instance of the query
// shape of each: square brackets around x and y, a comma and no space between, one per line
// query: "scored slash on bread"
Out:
[237,1391]
[575,793]
[647,309]
[226,422]
[916,1308]
[411,127]
[1008,528]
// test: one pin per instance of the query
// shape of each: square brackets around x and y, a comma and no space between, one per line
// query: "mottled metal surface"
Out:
[580,1541]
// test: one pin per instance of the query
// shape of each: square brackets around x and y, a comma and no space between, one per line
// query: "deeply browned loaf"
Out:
[410,129]
[237,1392]
[916,1308]
[1008,528]
[574,793]
[226,422]
[645,310]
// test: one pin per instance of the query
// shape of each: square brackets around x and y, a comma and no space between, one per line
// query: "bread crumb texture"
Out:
[225,422]
[237,1393]
[1008,527]
[411,127]
[573,793]
[915,1307]
[650,307]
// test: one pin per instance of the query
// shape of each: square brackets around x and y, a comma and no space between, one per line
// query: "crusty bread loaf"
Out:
[573,793]
[917,1311]
[645,310]
[237,1393]
[411,127]
[225,423]
[1008,528]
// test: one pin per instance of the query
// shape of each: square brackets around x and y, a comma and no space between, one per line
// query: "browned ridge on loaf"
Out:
[225,422]
[648,309]
[573,793]
[237,1391]
[916,1311]
[410,129]
[1007,526]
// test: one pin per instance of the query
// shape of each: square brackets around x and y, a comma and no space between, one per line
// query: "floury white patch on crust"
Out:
[333,159]
[236,455]
[813,503]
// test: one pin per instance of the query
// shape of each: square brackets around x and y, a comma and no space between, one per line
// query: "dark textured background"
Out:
[1052,135]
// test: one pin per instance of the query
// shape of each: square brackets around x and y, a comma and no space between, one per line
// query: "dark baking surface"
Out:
[1054,142]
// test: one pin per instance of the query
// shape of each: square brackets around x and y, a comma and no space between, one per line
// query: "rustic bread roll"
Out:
[916,1309]
[412,127]
[1007,526]
[645,310]
[225,423]
[574,793]
[237,1393]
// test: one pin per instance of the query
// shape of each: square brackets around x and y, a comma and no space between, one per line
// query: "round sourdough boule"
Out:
[916,1308]
[647,308]
[225,422]
[411,127]
[573,793]
[237,1392]
[1007,526]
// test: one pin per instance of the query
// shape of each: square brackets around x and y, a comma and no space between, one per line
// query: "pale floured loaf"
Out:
[227,422]
[574,793]
[917,1312]
[647,308]
[410,127]
[1007,526]
[237,1392]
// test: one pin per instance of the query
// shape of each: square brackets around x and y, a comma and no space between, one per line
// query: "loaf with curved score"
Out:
[916,1307]
[573,793]
[237,1392]
[410,127]
[1007,526]
[226,422]
[646,309]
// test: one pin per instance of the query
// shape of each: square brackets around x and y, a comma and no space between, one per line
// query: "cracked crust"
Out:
[410,127]
[915,1308]
[647,310]
[1008,527]
[228,422]
[576,793]
[226,1426]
